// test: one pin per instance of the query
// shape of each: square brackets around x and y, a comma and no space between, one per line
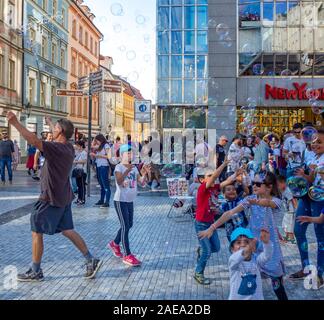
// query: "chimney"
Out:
[106,62]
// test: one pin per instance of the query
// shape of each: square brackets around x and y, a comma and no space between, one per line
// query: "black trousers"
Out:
[81,184]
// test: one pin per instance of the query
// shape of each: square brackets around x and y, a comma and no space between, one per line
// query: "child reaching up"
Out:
[245,264]
[307,219]
[263,204]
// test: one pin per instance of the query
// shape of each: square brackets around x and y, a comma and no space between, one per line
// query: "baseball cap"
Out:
[124,148]
[240,232]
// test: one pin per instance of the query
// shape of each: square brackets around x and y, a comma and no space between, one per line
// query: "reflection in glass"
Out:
[202,67]
[163,42]
[189,91]
[195,119]
[280,39]
[176,42]
[176,17]
[307,64]
[319,39]
[202,17]
[268,66]
[202,91]
[294,63]
[189,42]
[319,65]
[189,67]
[189,17]
[176,91]
[281,13]
[173,118]
[267,40]
[294,39]
[268,11]
[293,16]
[163,66]
[280,64]
[163,21]
[176,66]
[163,96]
[163,2]
[307,40]
[249,12]
[202,41]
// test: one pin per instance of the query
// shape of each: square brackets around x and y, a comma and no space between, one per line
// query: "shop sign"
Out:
[299,92]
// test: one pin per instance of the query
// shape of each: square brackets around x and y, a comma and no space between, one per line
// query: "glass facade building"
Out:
[182,58]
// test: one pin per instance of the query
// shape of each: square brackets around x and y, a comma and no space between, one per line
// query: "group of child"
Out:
[248,215]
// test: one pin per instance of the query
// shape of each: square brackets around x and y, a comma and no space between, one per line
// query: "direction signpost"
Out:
[69,93]
[113,86]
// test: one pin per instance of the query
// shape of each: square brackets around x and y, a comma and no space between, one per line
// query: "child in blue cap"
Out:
[245,264]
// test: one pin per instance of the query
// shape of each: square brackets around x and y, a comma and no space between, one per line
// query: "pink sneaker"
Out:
[132,261]
[115,248]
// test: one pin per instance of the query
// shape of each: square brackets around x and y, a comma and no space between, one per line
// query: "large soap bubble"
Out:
[172,170]
[316,193]
[117,9]
[309,134]
[298,186]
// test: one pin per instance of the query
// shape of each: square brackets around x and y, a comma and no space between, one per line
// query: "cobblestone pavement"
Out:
[166,246]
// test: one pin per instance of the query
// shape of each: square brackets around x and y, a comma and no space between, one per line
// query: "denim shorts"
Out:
[46,219]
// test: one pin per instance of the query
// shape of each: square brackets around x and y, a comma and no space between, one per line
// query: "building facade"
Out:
[45,61]
[264,55]
[83,59]
[11,60]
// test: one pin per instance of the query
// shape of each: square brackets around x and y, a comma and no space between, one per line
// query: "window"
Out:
[54,52]
[86,70]
[176,42]
[1,68]
[74,26]
[72,106]
[32,35]
[81,35]
[176,18]
[91,44]
[73,66]
[189,67]
[163,66]
[44,47]
[54,8]
[62,58]
[96,49]
[31,88]
[173,118]
[176,91]
[11,19]
[1,10]
[85,107]
[80,107]
[42,94]
[163,15]
[176,66]
[202,17]
[80,69]
[190,17]
[44,5]
[163,43]
[86,39]
[63,17]
[12,71]
[53,94]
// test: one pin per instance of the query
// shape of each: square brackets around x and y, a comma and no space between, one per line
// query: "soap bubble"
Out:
[298,186]
[213,83]
[131,55]
[252,103]
[286,73]
[117,9]
[309,134]
[312,94]
[133,76]
[147,58]
[117,28]
[146,38]
[316,193]
[222,29]
[258,69]
[229,102]
[248,49]
[140,19]
[122,48]
[212,23]
[317,108]
[226,40]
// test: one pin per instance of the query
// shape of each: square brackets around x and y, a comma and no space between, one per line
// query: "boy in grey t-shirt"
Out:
[244,264]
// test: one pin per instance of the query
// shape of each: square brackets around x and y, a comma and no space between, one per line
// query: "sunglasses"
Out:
[297,132]
[257,184]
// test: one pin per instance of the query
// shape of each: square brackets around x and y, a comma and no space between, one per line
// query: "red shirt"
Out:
[207,203]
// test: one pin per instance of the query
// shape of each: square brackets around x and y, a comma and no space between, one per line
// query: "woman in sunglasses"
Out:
[309,207]
[263,204]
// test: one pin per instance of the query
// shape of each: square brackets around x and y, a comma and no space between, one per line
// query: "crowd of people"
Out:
[243,187]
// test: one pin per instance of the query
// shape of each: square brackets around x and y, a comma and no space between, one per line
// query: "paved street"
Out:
[166,247]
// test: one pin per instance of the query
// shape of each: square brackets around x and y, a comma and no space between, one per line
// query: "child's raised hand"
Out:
[265,236]
[304,219]
[205,234]
[253,201]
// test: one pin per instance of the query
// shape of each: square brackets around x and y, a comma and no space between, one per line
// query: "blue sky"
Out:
[129,37]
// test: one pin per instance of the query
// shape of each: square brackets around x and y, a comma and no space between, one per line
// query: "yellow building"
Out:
[128,108]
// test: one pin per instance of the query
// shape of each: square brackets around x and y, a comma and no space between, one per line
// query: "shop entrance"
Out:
[280,119]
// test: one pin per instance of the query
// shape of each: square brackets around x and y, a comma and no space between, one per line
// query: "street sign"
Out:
[143,111]
[96,76]
[114,83]
[112,89]
[83,83]
[69,93]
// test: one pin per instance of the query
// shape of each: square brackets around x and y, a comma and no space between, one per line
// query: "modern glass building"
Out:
[270,52]
[182,58]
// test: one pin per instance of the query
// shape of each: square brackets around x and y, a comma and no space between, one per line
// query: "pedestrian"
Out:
[79,172]
[311,208]
[261,154]
[245,265]
[293,149]
[127,177]
[235,154]
[39,158]
[52,213]
[220,154]
[102,156]
[17,156]
[206,212]
[7,154]
[31,151]
[263,205]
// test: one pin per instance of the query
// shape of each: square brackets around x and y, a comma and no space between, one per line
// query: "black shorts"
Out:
[46,219]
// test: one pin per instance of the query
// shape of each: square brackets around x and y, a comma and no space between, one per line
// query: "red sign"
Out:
[299,93]
[116,83]
[69,93]
[112,89]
